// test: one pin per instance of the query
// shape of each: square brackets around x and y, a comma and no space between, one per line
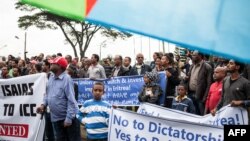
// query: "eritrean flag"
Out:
[72,9]
[220,27]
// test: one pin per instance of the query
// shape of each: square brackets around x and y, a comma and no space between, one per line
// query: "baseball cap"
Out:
[59,61]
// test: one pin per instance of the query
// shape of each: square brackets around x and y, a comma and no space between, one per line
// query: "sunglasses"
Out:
[140,57]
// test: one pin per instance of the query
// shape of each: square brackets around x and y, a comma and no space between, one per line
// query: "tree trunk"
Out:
[75,52]
[82,54]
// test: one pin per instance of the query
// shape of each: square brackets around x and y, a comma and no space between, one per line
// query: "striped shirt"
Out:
[95,114]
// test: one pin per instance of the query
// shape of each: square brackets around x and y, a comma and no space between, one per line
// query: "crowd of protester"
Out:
[200,84]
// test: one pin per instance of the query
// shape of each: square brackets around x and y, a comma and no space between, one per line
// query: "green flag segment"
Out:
[72,9]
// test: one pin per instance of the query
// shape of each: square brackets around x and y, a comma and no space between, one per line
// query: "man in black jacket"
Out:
[127,64]
[199,81]
[118,69]
[140,68]
[172,79]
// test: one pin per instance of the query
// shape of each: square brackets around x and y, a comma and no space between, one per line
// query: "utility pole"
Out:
[141,44]
[163,47]
[25,43]
[159,46]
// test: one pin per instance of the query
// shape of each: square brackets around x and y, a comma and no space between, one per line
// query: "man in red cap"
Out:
[61,101]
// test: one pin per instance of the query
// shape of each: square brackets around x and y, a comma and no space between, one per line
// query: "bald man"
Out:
[140,68]
[214,94]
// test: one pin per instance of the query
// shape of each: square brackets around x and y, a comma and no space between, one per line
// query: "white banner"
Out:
[225,116]
[129,126]
[19,98]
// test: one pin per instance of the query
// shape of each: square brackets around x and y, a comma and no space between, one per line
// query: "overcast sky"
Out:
[52,41]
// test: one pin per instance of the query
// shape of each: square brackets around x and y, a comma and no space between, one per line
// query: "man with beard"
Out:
[235,87]
[199,80]
[61,101]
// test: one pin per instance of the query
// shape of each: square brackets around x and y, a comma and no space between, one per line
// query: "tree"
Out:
[77,34]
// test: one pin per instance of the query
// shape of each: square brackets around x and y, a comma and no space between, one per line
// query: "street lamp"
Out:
[25,41]
[3,46]
[103,44]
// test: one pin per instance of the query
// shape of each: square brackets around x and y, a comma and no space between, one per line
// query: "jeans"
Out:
[198,104]
[71,133]
[48,128]
[168,102]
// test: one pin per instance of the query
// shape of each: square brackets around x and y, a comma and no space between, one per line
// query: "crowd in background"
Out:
[203,82]
[200,84]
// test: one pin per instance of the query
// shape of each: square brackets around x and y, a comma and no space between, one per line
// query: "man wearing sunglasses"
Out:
[140,68]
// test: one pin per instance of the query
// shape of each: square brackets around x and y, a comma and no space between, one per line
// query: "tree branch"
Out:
[74,31]
[91,35]
[66,36]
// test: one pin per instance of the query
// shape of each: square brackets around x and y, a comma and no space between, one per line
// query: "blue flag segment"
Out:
[217,27]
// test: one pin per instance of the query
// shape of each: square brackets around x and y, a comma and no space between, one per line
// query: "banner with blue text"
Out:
[120,91]
[129,126]
[225,116]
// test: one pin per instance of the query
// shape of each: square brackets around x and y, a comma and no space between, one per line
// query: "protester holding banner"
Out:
[235,87]
[60,98]
[199,81]
[94,114]
[172,76]
[151,90]
[243,103]
[215,90]
[49,134]
[182,102]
